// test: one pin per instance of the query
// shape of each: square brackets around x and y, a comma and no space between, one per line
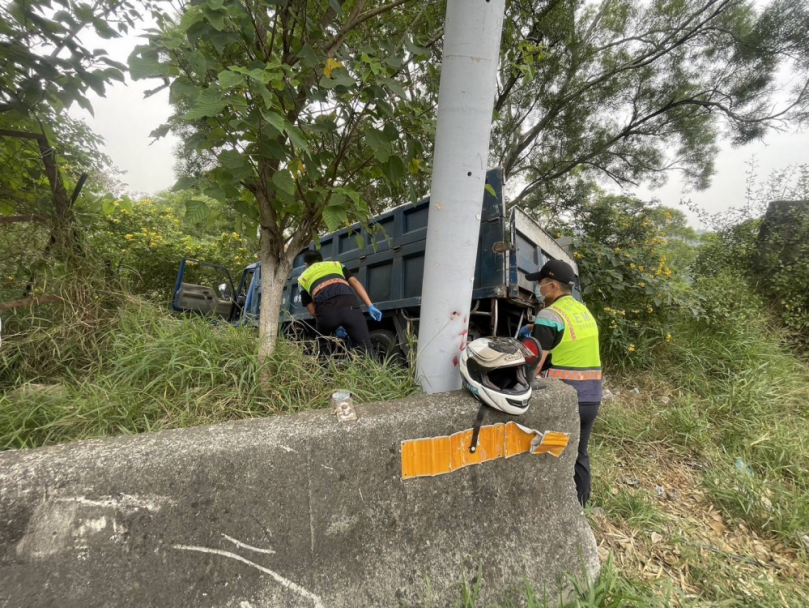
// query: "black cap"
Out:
[556,270]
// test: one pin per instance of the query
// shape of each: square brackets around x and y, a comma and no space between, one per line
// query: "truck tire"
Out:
[386,346]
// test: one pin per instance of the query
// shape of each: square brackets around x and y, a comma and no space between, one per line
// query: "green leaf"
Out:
[284,181]
[394,86]
[334,217]
[160,131]
[394,169]
[144,67]
[343,80]
[108,206]
[275,119]
[490,190]
[126,205]
[416,49]
[198,63]
[231,159]
[377,139]
[336,6]
[297,138]
[228,79]
[308,57]
[209,103]
[196,211]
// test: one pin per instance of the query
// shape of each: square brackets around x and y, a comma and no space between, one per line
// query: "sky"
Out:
[124,119]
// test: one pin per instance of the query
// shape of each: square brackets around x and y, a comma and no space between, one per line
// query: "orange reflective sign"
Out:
[439,455]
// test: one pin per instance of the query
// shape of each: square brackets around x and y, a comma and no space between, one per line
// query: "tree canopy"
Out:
[630,90]
[297,113]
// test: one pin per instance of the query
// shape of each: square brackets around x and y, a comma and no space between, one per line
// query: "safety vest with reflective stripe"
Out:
[317,273]
[576,357]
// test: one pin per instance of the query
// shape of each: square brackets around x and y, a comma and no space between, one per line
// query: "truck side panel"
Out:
[388,259]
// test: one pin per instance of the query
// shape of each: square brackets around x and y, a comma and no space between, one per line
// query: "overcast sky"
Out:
[124,119]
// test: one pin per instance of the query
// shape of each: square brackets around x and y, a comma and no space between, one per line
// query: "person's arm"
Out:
[357,286]
[306,300]
[548,329]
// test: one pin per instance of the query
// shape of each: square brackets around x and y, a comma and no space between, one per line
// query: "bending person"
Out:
[329,292]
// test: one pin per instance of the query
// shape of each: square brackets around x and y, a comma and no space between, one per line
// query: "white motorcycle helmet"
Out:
[498,372]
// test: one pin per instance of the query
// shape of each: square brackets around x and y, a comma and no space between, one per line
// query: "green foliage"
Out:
[623,246]
[781,264]
[143,241]
[764,252]
[288,109]
[609,90]
[45,63]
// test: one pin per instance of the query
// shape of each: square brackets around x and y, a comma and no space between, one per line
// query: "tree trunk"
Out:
[275,266]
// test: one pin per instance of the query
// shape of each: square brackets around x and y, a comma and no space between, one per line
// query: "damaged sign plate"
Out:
[438,455]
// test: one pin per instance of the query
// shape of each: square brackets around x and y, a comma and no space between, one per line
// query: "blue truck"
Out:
[388,260]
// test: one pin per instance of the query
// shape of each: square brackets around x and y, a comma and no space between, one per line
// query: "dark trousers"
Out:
[587,414]
[352,320]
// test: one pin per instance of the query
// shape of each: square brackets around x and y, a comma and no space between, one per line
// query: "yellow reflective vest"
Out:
[317,272]
[576,357]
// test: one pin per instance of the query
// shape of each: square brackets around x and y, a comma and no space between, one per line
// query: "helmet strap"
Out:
[476,429]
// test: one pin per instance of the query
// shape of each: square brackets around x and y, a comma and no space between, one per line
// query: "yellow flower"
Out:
[617,250]
[153,245]
[668,337]
[641,284]
[606,309]
[129,237]
[631,348]
[650,309]
[640,268]
[331,64]
[632,266]
[235,235]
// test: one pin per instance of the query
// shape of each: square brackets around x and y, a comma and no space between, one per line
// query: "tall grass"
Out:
[143,370]
[742,401]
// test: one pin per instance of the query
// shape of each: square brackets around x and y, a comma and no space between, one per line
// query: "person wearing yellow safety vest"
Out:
[568,335]
[328,293]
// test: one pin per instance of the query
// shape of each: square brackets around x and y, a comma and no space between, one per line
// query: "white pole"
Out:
[465,105]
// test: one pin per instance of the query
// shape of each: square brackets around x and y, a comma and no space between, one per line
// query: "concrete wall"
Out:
[289,511]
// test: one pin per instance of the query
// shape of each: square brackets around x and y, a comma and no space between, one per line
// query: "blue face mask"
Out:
[538,293]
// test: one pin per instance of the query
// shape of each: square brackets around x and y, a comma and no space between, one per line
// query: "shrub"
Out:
[145,240]
[623,247]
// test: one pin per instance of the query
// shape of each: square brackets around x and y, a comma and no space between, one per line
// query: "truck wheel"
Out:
[386,346]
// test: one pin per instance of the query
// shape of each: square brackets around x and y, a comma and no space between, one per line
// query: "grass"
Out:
[147,371]
[701,477]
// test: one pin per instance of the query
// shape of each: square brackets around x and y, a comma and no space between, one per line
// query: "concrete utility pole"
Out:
[465,104]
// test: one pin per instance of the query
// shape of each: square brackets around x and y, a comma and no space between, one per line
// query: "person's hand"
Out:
[375,313]
[341,333]
[525,332]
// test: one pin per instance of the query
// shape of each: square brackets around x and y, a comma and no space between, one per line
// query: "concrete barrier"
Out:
[290,511]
